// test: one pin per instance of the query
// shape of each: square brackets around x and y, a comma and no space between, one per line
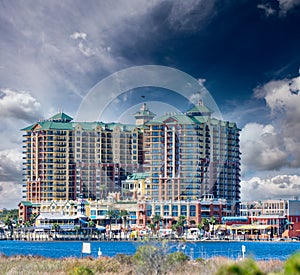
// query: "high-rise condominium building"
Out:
[187,156]
[64,159]
[192,155]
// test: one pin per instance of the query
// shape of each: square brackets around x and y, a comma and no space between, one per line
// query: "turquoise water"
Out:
[257,250]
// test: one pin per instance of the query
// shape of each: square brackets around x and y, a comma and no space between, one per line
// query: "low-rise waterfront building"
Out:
[282,215]
[170,211]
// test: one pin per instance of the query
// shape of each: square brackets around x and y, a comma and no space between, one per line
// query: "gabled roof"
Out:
[137,176]
[200,110]
[48,125]
[61,117]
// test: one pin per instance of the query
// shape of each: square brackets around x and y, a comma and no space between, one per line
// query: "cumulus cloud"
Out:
[10,165]
[11,194]
[275,145]
[18,105]
[281,186]
[287,5]
[10,178]
[78,35]
[262,148]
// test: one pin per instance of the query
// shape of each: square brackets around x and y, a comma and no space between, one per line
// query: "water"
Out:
[256,250]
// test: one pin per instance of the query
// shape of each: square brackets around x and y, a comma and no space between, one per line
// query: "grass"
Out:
[141,263]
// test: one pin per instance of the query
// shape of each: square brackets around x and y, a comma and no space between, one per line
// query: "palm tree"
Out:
[179,226]
[213,221]
[152,227]
[204,225]
[32,219]
[111,214]
[156,219]
[56,227]
[9,223]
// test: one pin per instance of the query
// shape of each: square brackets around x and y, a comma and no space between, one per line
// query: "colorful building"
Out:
[187,156]
[282,215]
[193,211]
[191,155]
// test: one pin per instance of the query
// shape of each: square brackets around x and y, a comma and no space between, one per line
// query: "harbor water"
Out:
[57,249]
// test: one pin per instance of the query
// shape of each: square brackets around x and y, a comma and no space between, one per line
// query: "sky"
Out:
[245,53]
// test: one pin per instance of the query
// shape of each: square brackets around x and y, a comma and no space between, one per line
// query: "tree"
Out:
[212,221]
[9,223]
[56,227]
[112,215]
[152,227]
[156,219]
[204,225]
[32,219]
[179,226]
[91,223]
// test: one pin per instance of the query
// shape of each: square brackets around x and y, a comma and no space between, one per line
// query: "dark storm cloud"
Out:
[54,52]
[10,170]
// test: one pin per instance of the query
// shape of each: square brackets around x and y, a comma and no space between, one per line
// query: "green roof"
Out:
[138,176]
[61,117]
[26,203]
[200,109]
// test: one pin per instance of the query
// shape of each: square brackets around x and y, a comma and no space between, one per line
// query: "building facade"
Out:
[282,215]
[63,159]
[192,155]
[187,156]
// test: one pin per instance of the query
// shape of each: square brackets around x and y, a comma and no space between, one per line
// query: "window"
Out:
[166,210]
[183,210]
[175,210]
[101,212]
[157,209]
[193,211]
[93,212]
[149,210]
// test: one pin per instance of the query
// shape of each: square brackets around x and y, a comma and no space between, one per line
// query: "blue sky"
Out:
[245,53]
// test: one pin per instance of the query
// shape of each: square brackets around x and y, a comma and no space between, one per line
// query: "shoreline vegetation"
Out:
[148,259]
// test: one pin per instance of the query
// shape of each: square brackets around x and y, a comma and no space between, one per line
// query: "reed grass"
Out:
[127,265]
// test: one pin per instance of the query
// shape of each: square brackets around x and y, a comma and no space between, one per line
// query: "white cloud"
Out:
[86,50]
[267,9]
[11,195]
[261,148]
[284,6]
[18,105]
[275,145]
[79,35]
[191,15]
[287,5]
[281,186]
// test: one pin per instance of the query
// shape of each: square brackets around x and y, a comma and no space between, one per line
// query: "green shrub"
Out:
[107,264]
[292,265]
[81,270]
[150,259]
[245,267]
[177,257]
[124,259]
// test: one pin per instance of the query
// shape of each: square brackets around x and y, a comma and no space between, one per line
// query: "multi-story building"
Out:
[188,156]
[282,215]
[64,159]
[170,211]
[191,155]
